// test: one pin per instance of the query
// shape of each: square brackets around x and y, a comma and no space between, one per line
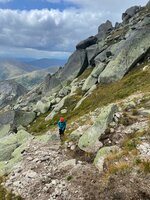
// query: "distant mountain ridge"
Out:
[34,78]
[10,68]
[46,62]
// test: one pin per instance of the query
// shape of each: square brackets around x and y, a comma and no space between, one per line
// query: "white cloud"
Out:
[46,29]
[58,31]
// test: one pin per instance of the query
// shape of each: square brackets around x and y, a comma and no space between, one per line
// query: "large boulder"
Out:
[103,56]
[42,106]
[94,50]
[56,109]
[130,52]
[76,64]
[11,147]
[89,142]
[9,143]
[102,154]
[64,91]
[130,12]
[6,151]
[86,43]
[91,52]
[23,118]
[104,29]
[93,77]
[16,118]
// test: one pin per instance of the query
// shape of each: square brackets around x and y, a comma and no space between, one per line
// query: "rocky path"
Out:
[55,171]
[48,173]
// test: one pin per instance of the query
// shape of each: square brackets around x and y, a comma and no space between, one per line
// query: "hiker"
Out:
[61,126]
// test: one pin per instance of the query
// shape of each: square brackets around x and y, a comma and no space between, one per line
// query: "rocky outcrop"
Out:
[132,50]
[14,119]
[104,29]
[86,43]
[64,91]
[9,92]
[50,82]
[76,64]
[89,142]
[91,52]
[130,12]
[102,154]
[23,118]
[42,106]
[11,148]
[92,79]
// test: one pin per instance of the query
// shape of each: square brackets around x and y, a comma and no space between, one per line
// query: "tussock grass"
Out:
[116,156]
[127,120]
[145,166]
[131,141]
[120,167]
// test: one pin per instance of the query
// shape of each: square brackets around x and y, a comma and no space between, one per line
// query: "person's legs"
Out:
[60,131]
[63,131]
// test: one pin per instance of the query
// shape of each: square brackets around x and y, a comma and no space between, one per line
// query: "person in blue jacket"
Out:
[61,126]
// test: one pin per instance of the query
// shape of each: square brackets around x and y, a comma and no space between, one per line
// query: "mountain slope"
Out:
[33,79]
[11,68]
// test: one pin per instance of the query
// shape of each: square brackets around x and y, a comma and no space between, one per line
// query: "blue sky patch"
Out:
[35,4]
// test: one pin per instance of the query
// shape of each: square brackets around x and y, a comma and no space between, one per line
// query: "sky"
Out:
[52,28]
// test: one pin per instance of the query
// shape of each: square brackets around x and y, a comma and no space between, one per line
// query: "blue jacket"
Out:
[62,125]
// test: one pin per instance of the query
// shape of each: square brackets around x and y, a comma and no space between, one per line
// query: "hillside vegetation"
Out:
[136,81]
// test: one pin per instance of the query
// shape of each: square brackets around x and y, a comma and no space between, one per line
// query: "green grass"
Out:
[69,178]
[85,74]
[121,167]
[137,80]
[145,165]
[6,195]
[131,141]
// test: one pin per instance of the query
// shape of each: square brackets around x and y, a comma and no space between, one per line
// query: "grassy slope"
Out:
[136,80]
